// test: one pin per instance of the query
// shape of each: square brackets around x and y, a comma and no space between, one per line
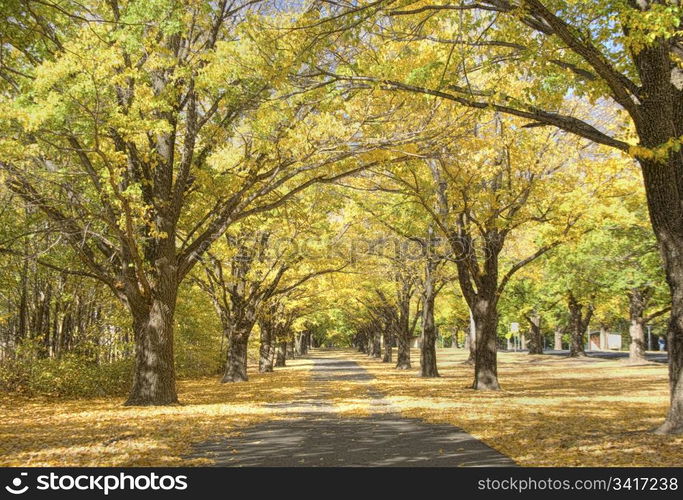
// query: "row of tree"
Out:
[152,147]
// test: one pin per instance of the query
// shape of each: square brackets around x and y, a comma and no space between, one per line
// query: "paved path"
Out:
[317,435]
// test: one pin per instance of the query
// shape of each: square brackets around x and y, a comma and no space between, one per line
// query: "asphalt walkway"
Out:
[317,435]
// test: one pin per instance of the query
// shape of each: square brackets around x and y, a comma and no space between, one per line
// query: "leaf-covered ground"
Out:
[552,411]
[94,432]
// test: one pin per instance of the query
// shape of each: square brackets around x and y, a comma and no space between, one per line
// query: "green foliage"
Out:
[197,340]
[70,376]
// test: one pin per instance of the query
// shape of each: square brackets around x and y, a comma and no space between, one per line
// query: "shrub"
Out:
[69,376]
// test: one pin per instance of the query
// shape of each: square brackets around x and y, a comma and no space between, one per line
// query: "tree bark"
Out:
[403,351]
[376,346]
[265,350]
[428,348]
[154,374]
[671,243]
[361,342]
[280,353]
[658,184]
[578,324]
[236,365]
[558,339]
[388,341]
[307,341]
[301,344]
[535,343]
[403,335]
[661,120]
[471,341]
[485,361]
[637,303]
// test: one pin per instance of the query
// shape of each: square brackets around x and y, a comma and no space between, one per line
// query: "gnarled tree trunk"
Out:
[236,365]
[486,362]
[671,243]
[154,375]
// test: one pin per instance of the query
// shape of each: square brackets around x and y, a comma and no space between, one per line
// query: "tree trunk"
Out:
[388,345]
[578,324]
[661,121]
[362,343]
[236,366]
[376,351]
[485,357]
[302,344]
[636,331]
[535,343]
[298,349]
[265,364]
[154,375]
[576,349]
[403,336]
[291,350]
[672,249]
[471,341]
[403,350]
[280,353]
[637,303]
[558,339]
[428,347]
[307,341]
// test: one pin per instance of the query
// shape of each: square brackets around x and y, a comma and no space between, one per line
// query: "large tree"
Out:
[483,185]
[144,130]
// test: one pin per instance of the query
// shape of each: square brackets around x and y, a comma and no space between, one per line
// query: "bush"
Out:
[70,376]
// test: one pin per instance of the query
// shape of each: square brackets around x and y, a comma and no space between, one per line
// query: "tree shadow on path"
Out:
[317,436]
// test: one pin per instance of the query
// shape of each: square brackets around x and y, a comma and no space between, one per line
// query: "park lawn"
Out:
[552,411]
[103,432]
